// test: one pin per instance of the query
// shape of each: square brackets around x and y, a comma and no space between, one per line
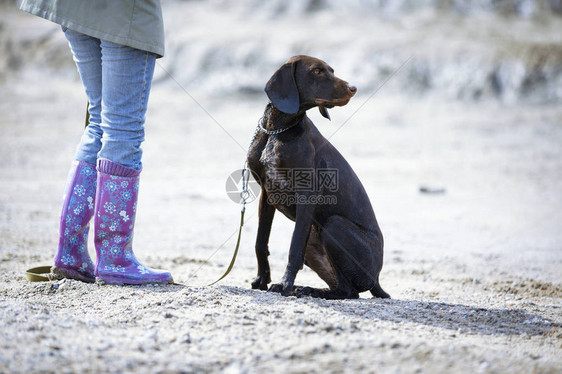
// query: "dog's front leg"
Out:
[303,224]
[266,213]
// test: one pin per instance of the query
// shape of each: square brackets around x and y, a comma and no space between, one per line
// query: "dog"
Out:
[304,177]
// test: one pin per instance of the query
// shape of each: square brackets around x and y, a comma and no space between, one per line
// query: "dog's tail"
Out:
[377,291]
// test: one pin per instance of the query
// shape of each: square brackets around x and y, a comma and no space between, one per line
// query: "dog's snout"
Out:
[352,90]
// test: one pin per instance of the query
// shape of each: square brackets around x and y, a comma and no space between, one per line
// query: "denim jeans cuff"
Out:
[112,168]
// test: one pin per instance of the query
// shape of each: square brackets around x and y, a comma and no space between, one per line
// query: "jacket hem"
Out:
[157,50]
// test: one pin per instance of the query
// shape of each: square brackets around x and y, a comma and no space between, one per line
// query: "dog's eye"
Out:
[317,71]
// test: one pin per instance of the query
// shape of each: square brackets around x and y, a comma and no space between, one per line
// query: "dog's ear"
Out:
[282,89]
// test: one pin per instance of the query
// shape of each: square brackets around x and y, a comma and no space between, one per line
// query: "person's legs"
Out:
[126,81]
[72,259]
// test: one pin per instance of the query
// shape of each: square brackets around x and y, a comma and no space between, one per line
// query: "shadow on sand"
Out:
[454,317]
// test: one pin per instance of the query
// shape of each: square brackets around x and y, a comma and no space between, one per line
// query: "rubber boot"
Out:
[114,221]
[72,259]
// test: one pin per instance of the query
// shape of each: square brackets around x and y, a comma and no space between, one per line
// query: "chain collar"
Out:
[275,132]
[263,121]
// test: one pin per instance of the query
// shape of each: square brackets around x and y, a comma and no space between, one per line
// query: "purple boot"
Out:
[114,220]
[72,259]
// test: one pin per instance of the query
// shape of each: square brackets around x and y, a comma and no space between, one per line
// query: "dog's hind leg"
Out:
[317,259]
[355,253]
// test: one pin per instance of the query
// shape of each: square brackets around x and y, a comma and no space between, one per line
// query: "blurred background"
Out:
[507,50]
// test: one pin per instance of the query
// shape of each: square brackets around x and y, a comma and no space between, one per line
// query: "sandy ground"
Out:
[475,273]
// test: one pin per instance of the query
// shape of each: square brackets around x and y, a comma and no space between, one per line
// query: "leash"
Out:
[39,274]
[244,195]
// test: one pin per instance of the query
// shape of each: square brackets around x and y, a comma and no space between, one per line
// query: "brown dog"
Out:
[304,177]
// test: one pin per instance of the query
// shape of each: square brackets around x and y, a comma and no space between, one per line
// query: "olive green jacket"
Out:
[134,23]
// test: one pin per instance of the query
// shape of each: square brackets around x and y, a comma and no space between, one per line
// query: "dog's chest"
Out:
[276,174]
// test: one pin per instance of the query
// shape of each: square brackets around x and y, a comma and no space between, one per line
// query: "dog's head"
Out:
[304,82]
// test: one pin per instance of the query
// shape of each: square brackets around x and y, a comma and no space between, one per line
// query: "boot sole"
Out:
[60,273]
[120,281]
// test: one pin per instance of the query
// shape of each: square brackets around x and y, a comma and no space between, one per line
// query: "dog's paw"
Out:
[276,287]
[260,283]
[305,291]
[281,288]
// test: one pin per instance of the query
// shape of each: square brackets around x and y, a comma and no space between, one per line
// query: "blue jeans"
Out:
[117,80]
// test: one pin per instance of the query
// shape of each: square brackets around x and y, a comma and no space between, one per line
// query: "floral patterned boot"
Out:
[114,221]
[72,259]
